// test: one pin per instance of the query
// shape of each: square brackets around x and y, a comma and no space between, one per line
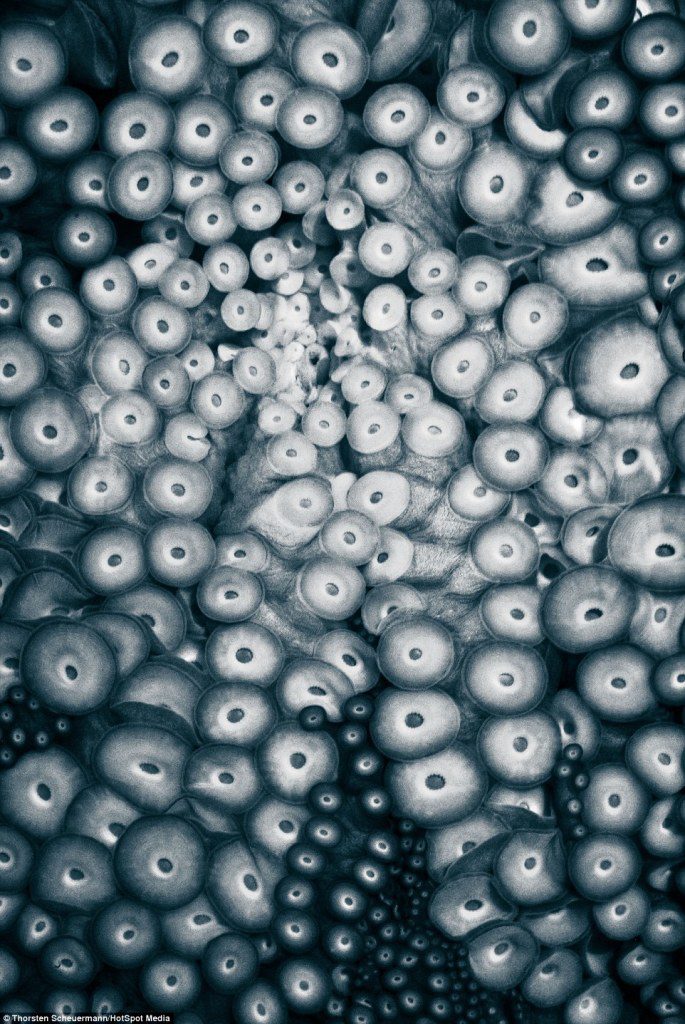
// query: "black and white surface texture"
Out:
[342,532]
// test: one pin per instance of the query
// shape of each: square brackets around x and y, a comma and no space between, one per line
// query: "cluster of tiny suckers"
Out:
[342,439]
